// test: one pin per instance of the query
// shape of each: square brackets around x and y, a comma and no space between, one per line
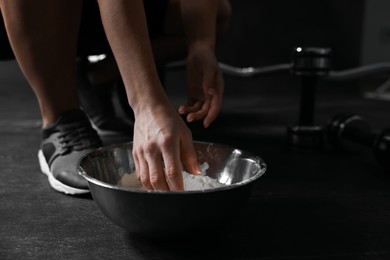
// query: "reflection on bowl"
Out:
[117,192]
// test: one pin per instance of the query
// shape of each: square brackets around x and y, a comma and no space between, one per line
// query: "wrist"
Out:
[201,45]
[148,102]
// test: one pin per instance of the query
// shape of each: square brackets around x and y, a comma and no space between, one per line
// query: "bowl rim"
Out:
[90,179]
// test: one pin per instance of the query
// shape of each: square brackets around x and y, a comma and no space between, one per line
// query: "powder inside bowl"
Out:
[191,182]
[199,182]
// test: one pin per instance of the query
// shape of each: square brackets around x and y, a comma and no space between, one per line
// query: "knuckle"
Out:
[145,181]
[155,180]
[149,148]
[167,140]
[171,173]
[137,151]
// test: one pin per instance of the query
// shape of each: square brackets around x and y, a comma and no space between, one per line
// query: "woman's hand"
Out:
[205,86]
[161,142]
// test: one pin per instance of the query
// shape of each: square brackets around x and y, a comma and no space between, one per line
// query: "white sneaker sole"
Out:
[54,183]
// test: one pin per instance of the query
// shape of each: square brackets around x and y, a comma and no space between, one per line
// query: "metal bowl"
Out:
[170,213]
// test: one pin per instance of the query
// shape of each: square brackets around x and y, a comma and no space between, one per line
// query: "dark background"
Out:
[328,204]
[264,32]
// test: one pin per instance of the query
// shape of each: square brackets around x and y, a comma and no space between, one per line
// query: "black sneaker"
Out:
[63,144]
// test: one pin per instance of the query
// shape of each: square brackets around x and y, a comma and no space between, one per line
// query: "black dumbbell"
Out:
[310,64]
[352,132]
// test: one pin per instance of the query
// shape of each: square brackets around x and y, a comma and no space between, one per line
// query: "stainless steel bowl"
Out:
[168,213]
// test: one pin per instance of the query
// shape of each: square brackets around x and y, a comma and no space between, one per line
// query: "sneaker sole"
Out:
[54,183]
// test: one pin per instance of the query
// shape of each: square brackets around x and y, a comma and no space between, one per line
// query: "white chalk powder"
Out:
[200,182]
[191,182]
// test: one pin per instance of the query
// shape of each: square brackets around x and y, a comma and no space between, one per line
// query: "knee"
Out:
[223,18]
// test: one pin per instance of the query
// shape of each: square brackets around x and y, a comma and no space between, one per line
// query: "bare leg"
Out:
[43,35]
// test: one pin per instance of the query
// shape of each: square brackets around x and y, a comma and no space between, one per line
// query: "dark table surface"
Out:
[318,205]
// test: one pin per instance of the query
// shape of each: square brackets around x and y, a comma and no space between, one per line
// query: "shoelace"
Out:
[76,137]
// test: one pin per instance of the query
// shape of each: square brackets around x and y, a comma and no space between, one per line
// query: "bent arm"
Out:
[126,29]
[204,78]
[161,139]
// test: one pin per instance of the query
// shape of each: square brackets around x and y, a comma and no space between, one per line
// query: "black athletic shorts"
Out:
[92,39]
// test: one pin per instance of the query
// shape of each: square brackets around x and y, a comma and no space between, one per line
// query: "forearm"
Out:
[125,25]
[199,21]
[161,140]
